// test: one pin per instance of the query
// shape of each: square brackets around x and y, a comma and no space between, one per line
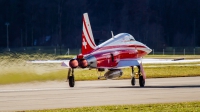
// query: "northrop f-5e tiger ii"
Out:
[120,51]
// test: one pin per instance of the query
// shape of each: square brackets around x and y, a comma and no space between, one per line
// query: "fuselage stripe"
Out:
[120,46]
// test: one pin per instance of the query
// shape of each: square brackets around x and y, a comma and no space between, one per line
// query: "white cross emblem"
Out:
[84,44]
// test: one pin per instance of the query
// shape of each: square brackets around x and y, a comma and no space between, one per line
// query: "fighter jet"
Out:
[120,51]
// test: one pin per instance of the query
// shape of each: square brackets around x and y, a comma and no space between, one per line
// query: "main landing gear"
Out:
[141,79]
[70,77]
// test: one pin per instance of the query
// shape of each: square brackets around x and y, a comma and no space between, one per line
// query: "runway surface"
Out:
[51,95]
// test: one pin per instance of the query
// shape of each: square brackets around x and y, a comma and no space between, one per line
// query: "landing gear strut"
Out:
[71,77]
[141,79]
[133,77]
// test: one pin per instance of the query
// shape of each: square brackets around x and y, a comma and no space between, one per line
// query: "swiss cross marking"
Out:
[84,43]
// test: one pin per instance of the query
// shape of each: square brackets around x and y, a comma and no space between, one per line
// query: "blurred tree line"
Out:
[157,23]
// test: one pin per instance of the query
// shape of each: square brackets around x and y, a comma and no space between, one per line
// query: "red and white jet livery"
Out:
[120,51]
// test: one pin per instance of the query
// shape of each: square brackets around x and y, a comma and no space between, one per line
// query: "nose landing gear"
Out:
[133,77]
[141,79]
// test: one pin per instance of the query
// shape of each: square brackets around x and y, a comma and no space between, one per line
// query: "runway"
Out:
[55,94]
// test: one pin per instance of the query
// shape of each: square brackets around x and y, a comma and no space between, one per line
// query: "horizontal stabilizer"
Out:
[47,61]
[65,64]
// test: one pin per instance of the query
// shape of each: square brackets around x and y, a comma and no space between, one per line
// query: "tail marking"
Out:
[88,44]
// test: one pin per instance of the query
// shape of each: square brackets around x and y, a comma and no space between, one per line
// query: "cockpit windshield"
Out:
[132,38]
[129,38]
[122,38]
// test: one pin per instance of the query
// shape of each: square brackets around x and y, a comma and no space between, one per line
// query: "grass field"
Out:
[15,69]
[161,107]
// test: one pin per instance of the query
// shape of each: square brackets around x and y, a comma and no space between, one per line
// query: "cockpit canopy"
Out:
[122,38]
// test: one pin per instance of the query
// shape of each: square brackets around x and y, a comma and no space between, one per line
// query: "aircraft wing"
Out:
[123,63]
[136,62]
[168,61]
[64,63]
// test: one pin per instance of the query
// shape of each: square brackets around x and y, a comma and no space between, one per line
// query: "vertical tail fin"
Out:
[88,44]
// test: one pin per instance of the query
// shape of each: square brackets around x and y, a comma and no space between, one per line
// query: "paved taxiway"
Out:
[49,95]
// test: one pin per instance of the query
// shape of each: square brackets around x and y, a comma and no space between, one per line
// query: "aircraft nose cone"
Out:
[148,50]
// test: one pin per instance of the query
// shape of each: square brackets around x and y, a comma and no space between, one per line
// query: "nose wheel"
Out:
[141,79]
[71,77]
[133,81]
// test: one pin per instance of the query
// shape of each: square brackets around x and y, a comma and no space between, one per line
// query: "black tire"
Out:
[71,81]
[133,81]
[141,81]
